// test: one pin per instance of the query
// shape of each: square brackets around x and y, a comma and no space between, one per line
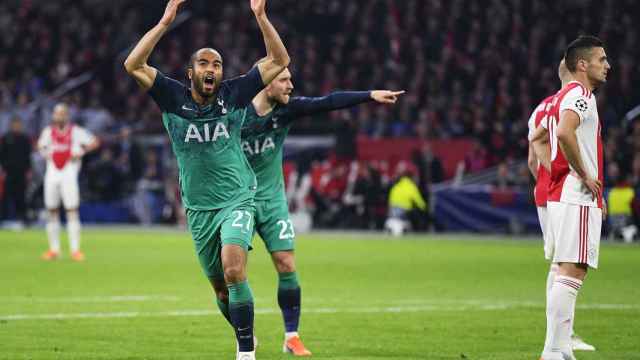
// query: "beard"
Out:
[198,85]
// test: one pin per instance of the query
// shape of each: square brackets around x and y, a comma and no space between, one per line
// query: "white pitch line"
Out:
[325,310]
[89,299]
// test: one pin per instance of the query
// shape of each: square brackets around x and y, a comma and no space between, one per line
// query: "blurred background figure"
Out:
[15,167]
[407,207]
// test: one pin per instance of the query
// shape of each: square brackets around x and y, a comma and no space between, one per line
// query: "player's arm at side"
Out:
[277,57]
[539,148]
[301,106]
[88,142]
[44,142]
[568,143]
[532,162]
[136,63]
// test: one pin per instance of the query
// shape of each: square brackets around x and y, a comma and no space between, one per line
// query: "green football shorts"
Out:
[273,224]
[212,229]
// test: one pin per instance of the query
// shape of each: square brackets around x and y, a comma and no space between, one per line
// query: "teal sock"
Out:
[288,280]
[240,293]
[241,314]
[224,309]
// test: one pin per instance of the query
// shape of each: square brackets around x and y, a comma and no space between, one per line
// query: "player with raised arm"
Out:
[63,145]
[217,184]
[269,118]
[575,204]
[540,166]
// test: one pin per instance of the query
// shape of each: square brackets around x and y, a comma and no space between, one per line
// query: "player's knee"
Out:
[234,273]
[53,214]
[578,271]
[284,262]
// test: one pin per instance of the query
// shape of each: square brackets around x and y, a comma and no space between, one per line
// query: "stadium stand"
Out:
[473,72]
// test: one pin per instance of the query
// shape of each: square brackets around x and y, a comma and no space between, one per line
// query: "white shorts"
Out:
[546,232]
[575,230]
[61,188]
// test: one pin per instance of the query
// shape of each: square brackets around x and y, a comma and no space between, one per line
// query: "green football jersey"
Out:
[263,136]
[262,142]
[213,171]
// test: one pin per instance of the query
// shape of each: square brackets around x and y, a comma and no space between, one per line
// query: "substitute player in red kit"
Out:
[575,204]
[63,144]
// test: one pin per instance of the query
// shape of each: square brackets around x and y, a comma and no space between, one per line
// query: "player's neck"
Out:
[263,104]
[583,79]
[201,100]
[61,127]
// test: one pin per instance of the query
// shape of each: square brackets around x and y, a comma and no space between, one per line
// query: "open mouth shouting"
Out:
[208,83]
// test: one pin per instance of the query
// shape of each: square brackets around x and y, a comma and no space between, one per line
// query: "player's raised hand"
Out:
[257,6]
[386,96]
[170,12]
[593,186]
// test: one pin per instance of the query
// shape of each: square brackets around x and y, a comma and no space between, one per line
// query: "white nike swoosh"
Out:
[184,107]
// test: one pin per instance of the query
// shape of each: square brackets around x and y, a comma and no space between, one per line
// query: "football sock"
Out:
[289,295]
[553,270]
[560,310]
[224,309]
[53,233]
[73,229]
[241,314]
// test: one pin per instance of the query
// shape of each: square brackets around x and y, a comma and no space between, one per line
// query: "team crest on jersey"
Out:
[581,104]
[221,104]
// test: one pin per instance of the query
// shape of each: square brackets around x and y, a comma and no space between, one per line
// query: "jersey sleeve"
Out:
[244,88]
[166,92]
[83,136]
[575,101]
[532,121]
[301,106]
[45,138]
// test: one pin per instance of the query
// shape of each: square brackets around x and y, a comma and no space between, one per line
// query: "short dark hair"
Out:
[579,49]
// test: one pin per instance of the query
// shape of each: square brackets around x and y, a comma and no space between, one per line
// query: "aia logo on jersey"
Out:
[258,146]
[581,104]
[204,135]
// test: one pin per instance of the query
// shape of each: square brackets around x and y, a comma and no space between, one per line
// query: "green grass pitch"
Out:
[141,295]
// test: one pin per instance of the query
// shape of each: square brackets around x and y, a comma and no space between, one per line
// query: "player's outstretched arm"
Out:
[341,100]
[568,143]
[136,63]
[277,56]
[386,96]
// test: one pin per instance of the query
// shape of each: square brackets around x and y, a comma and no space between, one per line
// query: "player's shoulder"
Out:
[574,90]
[46,131]
[547,100]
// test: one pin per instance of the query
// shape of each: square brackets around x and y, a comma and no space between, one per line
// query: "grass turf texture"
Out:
[141,295]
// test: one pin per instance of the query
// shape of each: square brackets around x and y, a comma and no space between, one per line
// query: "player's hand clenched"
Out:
[593,186]
[170,12]
[257,6]
[386,96]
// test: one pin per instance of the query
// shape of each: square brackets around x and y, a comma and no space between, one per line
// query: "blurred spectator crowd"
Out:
[473,69]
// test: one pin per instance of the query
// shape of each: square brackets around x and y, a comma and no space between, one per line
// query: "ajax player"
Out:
[63,144]
[575,205]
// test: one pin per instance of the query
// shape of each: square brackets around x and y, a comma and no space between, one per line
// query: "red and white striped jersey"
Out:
[565,186]
[60,145]
[539,118]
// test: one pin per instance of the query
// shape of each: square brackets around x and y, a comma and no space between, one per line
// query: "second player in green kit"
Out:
[268,121]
